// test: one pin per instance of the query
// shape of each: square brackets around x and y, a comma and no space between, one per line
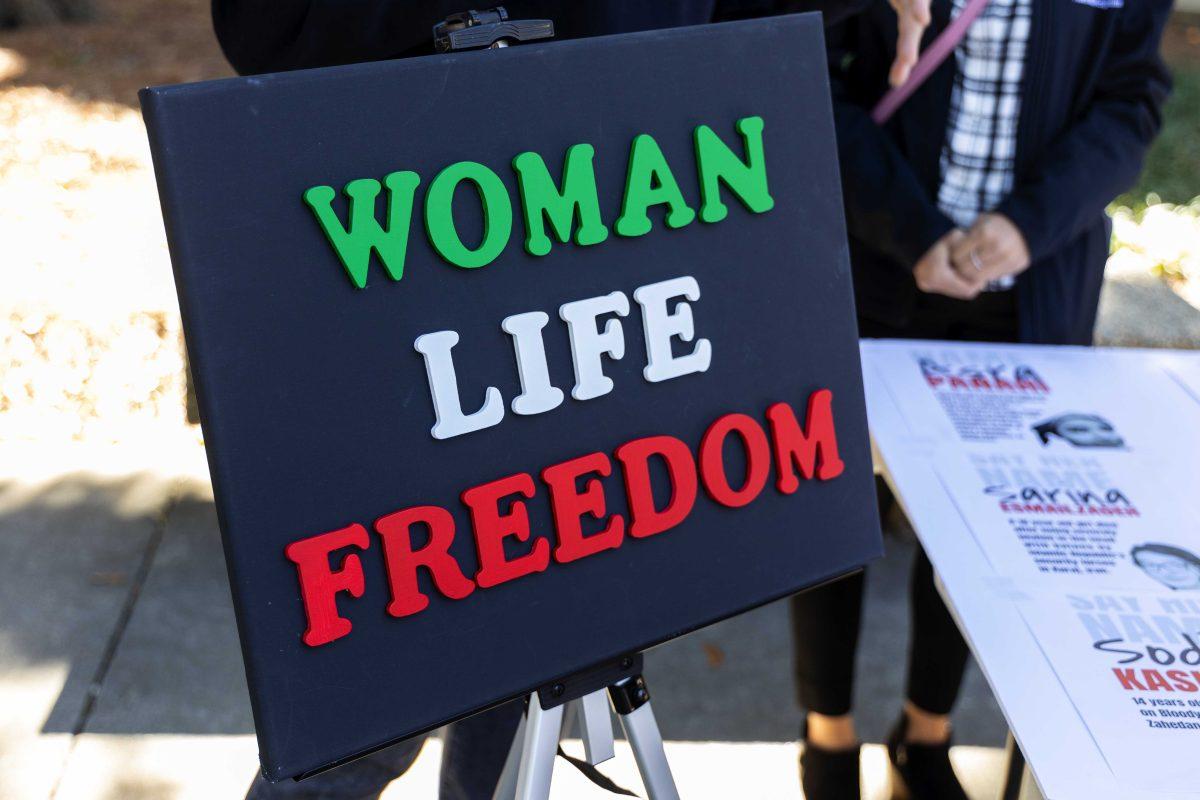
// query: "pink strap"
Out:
[929,61]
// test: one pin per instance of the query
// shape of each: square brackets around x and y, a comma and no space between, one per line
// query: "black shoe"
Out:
[921,771]
[828,774]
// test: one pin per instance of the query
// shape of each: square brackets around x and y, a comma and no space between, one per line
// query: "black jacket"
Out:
[1093,90]
[277,35]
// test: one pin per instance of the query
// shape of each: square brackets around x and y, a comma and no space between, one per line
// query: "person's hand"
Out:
[994,248]
[912,20]
[934,273]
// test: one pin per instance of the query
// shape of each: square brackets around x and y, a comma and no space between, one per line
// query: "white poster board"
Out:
[1057,492]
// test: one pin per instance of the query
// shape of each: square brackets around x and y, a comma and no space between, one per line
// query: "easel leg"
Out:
[529,766]
[540,742]
[595,727]
[506,786]
[632,703]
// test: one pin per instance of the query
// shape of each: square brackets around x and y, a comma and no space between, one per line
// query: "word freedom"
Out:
[420,537]
[570,206]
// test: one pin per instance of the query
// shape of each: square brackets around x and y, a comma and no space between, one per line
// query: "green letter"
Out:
[439,215]
[647,167]
[541,199]
[717,164]
[353,243]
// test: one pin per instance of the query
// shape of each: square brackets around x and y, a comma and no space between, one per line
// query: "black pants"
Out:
[826,620]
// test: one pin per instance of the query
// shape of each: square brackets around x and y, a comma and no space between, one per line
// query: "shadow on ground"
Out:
[120,610]
[116,610]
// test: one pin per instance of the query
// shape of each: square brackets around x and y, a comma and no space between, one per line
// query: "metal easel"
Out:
[584,698]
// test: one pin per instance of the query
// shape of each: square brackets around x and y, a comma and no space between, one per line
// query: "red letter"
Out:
[644,519]
[712,462]
[569,505]
[1155,681]
[319,584]
[815,445]
[492,528]
[402,559]
[1182,682]
[1128,681]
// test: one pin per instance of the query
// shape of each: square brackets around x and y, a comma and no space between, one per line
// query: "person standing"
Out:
[975,213]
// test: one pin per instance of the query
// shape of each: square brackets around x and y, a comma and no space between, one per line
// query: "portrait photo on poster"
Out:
[1072,520]
[1078,430]
[985,394]
[1174,567]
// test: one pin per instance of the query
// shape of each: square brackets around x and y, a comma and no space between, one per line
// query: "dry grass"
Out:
[131,44]
[90,343]
[89,329]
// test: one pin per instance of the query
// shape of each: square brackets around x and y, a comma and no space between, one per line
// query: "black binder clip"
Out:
[475,30]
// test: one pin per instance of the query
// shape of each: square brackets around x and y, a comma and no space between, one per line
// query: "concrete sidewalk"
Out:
[120,674]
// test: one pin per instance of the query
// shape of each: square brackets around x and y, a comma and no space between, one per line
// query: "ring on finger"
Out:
[975,262]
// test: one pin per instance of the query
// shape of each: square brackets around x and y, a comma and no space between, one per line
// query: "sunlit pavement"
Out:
[120,675]
[206,767]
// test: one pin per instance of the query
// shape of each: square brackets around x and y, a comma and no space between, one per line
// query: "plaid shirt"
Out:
[978,157]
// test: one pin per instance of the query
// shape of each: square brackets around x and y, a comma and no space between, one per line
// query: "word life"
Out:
[590,344]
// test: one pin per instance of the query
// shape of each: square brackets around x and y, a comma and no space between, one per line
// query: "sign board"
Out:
[1054,490]
[511,362]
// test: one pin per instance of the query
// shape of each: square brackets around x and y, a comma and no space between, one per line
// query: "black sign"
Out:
[511,362]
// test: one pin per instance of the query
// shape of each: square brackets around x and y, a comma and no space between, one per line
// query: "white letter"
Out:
[443,385]
[537,395]
[588,345]
[660,327]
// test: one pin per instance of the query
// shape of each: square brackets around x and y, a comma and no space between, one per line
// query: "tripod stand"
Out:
[551,710]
